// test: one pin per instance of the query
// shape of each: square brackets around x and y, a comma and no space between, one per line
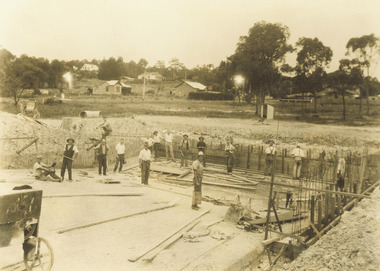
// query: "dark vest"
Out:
[69,152]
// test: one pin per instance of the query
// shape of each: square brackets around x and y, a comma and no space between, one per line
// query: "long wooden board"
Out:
[284,217]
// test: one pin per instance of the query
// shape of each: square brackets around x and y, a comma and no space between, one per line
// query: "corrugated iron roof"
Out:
[195,85]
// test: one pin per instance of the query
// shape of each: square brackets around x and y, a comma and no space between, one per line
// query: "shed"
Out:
[112,87]
[186,87]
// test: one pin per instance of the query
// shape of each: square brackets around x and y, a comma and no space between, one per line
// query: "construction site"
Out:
[250,219]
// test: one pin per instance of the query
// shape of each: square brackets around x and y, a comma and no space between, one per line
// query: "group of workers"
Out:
[45,172]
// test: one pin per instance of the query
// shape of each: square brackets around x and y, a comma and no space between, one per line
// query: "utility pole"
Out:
[144,87]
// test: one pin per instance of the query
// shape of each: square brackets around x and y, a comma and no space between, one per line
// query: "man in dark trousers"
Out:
[144,163]
[70,152]
[201,145]
[102,149]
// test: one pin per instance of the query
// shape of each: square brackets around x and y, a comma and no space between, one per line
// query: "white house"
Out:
[90,68]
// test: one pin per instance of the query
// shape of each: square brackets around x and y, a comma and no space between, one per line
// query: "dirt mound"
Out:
[352,245]
[16,131]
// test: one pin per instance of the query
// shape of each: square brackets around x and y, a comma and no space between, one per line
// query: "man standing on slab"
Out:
[197,181]
[120,151]
[70,152]
[102,156]
[144,163]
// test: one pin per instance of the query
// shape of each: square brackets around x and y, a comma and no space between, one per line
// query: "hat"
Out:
[146,142]
[70,139]
[201,137]
[200,153]
[39,157]
[155,132]
[185,134]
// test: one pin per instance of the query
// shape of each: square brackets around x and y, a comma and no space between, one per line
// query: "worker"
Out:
[230,153]
[168,138]
[340,172]
[184,149]
[44,172]
[102,157]
[144,163]
[201,146]
[106,126]
[270,152]
[298,154]
[120,152]
[70,153]
[197,181]
[156,143]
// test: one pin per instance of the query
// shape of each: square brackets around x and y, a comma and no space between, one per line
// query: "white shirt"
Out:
[270,150]
[144,155]
[120,148]
[341,166]
[75,149]
[297,152]
[169,138]
[157,139]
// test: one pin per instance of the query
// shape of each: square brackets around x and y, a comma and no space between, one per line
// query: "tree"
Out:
[111,69]
[347,77]
[259,56]
[204,74]
[366,51]
[312,59]
[175,66]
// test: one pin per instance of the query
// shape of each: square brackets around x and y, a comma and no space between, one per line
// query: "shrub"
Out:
[210,96]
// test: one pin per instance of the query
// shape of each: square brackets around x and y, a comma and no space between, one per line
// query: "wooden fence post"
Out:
[249,157]
[282,161]
[260,152]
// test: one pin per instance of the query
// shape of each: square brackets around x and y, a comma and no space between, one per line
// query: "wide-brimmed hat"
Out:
[155,132]
[72,139]
[185,134]
[201,137]
[200,153]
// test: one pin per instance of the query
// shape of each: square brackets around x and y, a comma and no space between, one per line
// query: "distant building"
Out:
[186,87]
[152,76]
[90,68]
[113,87]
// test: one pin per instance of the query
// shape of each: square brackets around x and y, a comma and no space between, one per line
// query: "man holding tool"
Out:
[70,152]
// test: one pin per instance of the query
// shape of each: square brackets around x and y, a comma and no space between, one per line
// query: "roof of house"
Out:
[124,85]
[113,82]
[195,85]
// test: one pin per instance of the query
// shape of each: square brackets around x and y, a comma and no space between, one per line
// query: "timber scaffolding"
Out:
[315,204]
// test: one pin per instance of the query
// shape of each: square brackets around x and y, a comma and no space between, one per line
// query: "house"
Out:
[90,68]
[152,76]
[113,87]
[186,87]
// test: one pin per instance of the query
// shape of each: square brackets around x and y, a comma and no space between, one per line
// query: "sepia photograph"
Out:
[206,135]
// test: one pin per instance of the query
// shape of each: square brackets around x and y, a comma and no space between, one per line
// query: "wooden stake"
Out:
[134,259]
[27,145]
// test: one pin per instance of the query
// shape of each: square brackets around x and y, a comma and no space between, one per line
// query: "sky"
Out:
[196,32]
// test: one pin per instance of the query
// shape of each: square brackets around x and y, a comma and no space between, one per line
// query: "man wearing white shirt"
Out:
[168,137]
[120,151]
[298,154]
[270,151]
[156,143]
[144,163]
[340,174]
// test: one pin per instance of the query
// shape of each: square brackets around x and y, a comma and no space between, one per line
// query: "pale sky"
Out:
[196,32]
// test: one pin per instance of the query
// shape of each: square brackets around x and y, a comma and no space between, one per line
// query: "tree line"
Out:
[259,58]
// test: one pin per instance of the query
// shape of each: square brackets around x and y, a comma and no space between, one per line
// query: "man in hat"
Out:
[156,143]
[144,163]
[340,172]
[197,181]
[70,152]
[44,172]
[185,149]
[168,138]
[102,149]
[120,151]
[270,151]
[230,154]
[201,146]
[298,154]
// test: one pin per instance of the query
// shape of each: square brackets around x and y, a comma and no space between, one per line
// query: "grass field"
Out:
[329,110]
